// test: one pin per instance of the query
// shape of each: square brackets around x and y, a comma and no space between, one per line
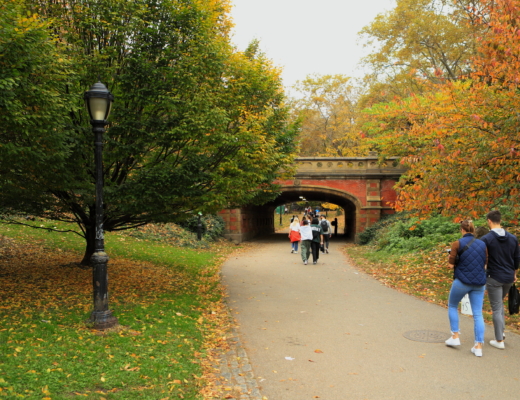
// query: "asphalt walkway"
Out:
[331,332]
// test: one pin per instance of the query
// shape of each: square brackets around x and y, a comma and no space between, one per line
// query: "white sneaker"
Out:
[498,345]
[477,352]
[292,251]
[452,342]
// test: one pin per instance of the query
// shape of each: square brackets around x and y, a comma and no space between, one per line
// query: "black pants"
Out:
[315,247]
[326,238]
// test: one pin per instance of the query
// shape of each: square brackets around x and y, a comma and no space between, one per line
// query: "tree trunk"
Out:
[91,244]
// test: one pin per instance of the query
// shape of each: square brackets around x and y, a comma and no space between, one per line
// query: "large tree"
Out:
[195,125]
[461,142]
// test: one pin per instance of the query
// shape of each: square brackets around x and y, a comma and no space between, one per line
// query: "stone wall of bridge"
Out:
[362,186]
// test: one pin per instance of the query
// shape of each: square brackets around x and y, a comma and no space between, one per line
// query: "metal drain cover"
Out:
[427,336]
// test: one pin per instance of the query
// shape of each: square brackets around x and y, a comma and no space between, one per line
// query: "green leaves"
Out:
[195,126]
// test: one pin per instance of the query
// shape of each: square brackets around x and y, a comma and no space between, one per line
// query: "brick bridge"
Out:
[360,185]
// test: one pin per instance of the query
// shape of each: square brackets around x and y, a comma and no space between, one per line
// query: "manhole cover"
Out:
[427,336]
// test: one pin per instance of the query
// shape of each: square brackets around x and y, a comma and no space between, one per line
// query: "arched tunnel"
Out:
[323,195]
[362,186]
[254,221]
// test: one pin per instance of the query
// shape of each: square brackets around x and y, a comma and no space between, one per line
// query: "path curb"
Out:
[235,371]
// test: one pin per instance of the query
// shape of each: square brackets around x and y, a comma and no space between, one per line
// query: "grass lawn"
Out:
[423,274]
[167,300]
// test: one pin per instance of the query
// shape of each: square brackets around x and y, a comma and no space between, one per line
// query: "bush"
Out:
[370,233]
[184,234]
[212,225]
[401,233]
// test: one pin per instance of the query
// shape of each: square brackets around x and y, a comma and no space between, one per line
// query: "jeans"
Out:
[496,293]
[295,246]
[306,250]
[476,299]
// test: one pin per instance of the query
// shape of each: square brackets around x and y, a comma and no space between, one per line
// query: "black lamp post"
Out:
[99,101]
[199,227]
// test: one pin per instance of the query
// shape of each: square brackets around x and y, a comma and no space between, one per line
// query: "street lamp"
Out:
[99,101]
[199,227]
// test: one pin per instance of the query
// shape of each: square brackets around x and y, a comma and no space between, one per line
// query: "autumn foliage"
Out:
[461,140]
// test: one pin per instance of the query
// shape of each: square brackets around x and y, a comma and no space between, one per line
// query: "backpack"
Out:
[324,225]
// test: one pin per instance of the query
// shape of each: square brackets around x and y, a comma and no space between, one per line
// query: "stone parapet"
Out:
[349,167]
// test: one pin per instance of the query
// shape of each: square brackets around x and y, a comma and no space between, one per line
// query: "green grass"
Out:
[155,291]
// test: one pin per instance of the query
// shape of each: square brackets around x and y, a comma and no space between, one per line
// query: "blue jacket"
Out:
[503,256]
[470,268]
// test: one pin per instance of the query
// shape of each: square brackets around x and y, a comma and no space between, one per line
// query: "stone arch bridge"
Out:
[360,185]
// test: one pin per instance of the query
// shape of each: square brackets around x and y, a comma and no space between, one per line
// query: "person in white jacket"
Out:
[294,234]
[306,239]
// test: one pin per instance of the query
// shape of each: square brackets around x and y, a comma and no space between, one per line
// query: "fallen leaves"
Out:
[422,274]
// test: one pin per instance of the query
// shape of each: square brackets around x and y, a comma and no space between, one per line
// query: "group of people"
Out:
[468,257]
[313,233]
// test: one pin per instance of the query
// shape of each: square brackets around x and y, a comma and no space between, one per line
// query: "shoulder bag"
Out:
[513,300]
[459,253]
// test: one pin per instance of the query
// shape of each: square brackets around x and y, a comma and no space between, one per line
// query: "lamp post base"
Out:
[103,320]
[101,316]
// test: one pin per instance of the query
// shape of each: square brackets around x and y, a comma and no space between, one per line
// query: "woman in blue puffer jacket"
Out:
[469,278]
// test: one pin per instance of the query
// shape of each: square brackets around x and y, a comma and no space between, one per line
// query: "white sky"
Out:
[307,36]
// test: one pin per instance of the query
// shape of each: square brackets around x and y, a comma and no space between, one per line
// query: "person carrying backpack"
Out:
[327,230]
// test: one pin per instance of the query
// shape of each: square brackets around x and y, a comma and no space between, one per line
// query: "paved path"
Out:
[343,332]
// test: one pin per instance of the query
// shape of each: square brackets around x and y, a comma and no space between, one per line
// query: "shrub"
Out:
[184,234]
[401,233]
[212,225]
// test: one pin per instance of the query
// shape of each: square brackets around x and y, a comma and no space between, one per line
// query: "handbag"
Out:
[513,301]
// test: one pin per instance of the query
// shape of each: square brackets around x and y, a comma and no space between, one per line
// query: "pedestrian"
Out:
[317,239]
[294,234]
[503,260]
[327,230]
[469,278]
[306,240]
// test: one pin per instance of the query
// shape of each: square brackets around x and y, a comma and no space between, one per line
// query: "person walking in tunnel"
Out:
[317,239]
[327,230]
[306,240]
[294,234]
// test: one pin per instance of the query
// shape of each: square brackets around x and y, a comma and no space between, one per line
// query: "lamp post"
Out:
[199,227]
[99,102]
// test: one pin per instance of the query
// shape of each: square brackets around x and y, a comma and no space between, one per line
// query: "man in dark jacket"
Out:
[503,260]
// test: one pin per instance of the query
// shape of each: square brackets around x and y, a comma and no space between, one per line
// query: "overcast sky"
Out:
[307,36]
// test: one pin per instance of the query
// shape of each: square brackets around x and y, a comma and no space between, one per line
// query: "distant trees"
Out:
[328,112]
[417,43]
[195,125]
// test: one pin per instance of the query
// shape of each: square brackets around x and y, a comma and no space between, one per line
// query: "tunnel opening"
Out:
[348,203]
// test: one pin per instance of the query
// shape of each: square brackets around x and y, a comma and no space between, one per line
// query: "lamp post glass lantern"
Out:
[99,102]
